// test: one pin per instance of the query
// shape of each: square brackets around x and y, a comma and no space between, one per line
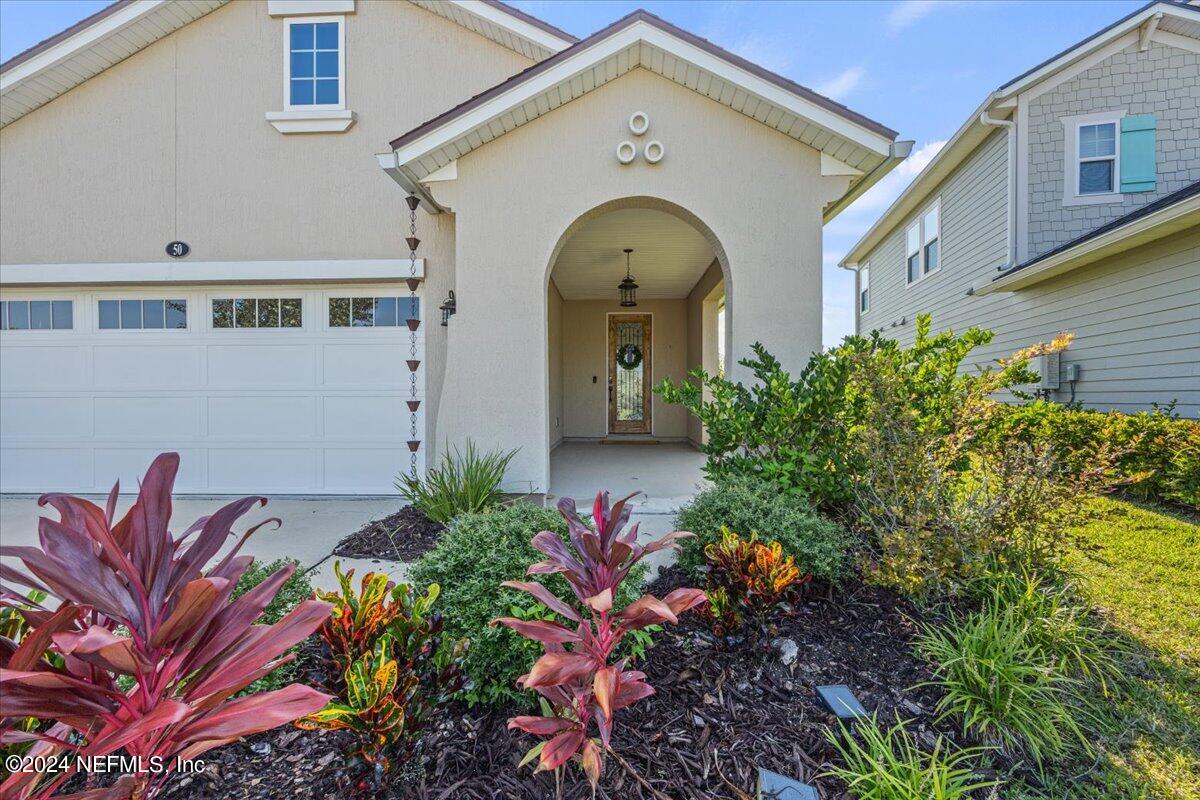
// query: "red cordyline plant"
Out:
[137,602]
[576,674]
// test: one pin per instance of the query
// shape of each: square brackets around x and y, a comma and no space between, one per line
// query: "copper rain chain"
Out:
[414,322]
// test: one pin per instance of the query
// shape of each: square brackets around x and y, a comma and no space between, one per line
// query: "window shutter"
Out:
[1137,154]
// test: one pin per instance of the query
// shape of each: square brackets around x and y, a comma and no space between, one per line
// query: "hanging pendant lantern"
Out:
[627,287]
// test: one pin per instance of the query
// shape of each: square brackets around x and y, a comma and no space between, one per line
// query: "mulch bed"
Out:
[403,536]
[718,714]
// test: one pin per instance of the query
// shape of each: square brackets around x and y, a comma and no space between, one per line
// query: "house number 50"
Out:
[178,249]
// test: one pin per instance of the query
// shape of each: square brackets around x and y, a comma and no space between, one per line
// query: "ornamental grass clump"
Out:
[138,608]
[390,666]
[748,582]
[464,481]
[578,675]
[1004,686]
[890,765]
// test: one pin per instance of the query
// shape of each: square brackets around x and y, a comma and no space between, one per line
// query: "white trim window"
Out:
[923,243]
[137,314]
[37,315]
[864,289]
[1096,156]
[257,312]
[315,66]
[1092,158]
[373,312]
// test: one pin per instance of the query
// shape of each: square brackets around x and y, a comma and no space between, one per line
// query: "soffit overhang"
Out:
[643,41]
[55,66]
[504,25]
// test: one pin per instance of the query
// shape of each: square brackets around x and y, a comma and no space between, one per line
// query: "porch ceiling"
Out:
[669,256]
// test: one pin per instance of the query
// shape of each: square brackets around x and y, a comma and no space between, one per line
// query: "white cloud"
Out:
[842,84]
[907,12]
[881,195]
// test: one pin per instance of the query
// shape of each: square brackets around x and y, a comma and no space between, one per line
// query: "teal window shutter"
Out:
[1138,171]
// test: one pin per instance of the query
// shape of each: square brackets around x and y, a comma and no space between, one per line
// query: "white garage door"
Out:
[268,389]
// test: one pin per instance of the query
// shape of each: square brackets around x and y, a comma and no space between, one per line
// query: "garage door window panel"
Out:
[257,312]
[137,314]
[37,315]
[372,312]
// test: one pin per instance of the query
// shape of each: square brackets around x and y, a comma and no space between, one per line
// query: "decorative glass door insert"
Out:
[629,373]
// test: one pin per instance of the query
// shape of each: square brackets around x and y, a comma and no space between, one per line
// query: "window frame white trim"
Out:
[266,293]
[288,22]
[188,318]
[1071,160]
[20,298]
[918,221]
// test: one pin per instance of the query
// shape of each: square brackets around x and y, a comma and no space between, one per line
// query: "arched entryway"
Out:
[603,358]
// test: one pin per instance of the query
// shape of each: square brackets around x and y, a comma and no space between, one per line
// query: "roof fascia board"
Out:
[87,37]
[501,17]
[1161,223]
[899,152]
[628,37]
[764,88]
[1131,23]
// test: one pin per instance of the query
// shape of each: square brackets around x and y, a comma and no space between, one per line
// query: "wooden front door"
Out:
[629,375]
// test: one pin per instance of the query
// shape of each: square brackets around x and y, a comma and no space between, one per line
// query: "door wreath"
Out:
[629,356]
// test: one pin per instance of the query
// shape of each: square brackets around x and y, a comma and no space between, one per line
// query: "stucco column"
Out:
[495,390]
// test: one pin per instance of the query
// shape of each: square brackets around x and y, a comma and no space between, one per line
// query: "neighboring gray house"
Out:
[1068,201]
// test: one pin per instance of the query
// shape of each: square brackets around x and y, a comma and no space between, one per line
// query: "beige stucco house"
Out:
[309,243]
[1068,201]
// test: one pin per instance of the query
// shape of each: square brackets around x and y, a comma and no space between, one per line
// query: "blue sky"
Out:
[918,66]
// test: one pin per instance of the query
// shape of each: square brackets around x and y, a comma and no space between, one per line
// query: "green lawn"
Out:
[1141,568]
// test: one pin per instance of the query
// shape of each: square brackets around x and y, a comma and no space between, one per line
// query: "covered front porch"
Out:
[667,474]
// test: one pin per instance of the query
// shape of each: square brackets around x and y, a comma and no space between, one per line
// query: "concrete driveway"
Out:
[310,527]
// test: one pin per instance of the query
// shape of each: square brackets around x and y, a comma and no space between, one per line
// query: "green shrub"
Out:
[890,765]
[464,481]
[798,434]
[478,552]
[295,590]
[748,505]
[1003,684]
[1159,452]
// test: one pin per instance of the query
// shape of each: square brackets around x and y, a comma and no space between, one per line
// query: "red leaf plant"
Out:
[575,674]
[137,604]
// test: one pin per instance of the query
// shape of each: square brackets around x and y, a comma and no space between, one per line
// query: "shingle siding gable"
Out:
[1163,81]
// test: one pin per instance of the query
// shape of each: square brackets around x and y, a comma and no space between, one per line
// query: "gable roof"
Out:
[1169,16]
[60,63]
[641,39]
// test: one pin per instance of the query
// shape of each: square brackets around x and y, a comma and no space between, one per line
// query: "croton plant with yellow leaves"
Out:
[747,580]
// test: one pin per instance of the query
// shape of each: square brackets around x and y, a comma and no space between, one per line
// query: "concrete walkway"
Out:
[667,474]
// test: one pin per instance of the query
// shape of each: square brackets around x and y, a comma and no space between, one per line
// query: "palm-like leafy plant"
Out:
[137,604]
[464,481]
[582,684]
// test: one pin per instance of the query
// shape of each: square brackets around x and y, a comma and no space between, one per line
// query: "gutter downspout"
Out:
[1012,182]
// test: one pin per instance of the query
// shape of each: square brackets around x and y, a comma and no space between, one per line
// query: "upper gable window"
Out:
[315,63]
[1097,149]
[923,240]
